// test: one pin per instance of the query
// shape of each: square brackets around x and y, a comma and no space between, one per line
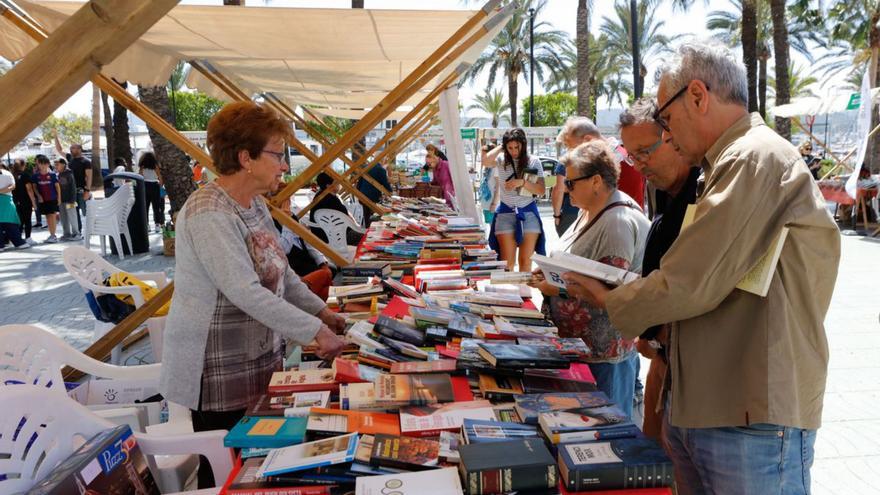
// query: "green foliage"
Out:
[332,127]
[493,102]
[70,128]
[194,110]
[550,109]
[827,165]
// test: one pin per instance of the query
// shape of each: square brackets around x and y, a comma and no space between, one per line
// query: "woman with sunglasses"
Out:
[517,223]
[236,300]
[612,229]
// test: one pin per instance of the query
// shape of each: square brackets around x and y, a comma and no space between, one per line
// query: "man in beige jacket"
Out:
[746,373]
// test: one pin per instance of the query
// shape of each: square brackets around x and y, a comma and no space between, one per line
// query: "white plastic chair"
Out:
[34,356]
[336,224]
[61,425]
[109,217]
[356,210]
[89,270]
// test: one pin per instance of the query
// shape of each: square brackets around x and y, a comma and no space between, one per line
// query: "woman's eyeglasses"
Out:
[279,156]
[569,183]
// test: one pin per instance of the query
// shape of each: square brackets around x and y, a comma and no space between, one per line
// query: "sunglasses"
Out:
[569,183]
[660,120]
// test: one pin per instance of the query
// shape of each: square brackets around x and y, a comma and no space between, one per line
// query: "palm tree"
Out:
[582,42]
[618,34]
[780,51]
[121,139]
[96,136]
[749,33]
[509,51]
[798,84]
[492,101]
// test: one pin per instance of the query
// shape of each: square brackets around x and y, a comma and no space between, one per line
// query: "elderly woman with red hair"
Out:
[236,300]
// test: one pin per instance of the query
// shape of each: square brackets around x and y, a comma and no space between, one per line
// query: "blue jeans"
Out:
[747,460]
[618,381]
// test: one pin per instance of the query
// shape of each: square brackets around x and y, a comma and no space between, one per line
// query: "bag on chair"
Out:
[122,279]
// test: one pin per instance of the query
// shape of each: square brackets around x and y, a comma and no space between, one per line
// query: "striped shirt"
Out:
[506,172]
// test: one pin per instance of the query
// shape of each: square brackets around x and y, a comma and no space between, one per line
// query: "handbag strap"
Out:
[602,212]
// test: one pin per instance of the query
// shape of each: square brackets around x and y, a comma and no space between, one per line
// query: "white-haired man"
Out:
[747,373]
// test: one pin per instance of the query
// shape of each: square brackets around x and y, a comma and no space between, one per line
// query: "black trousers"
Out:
[156,201]
[24,216]
[207,421]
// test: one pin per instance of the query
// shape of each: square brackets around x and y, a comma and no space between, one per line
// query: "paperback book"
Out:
[559,263]
[435,482]
[246,482]
[581,425]
[290,405]
[419,367]
[410,453]
[302,381]
[482,431]
[266,432]
[329,422]
[310,455]
[503,355]
[430,420]
[530,406]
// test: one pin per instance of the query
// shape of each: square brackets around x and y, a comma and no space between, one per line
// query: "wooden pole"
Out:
[89,39]
[417,79]
[334,129]
[797,123]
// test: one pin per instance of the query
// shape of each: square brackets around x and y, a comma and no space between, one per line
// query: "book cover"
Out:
[537,384]
[511,465]
[302,381]
[578,372]
[296,404]
[503,355]
[506,412]
[266,432]
[614,464]
[499,387]
[347,371]
[361,397]
[410,453]
[398,329]
[580,425]
[419,367]
[430,420]
[632,491]
[757,280]
[560,263]
[338,421]
[367,269]
[310,455]
[482,431]
[530,406]
[109,462]
[571,348]
[246,482]
[449,442]
[414,389]
[435,482]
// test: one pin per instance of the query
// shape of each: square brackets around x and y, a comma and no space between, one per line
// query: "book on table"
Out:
[417,367]
[421,389]
[560,263]
[503,355]
[530,406]
[295,404]
[434,482]
[246,482]
[614,464]
[482,431]
[430,420]
[410,453]
[303,381]
[587,424]
[271,432]
[499,387]
[324,452]
[512,465]
[328,422]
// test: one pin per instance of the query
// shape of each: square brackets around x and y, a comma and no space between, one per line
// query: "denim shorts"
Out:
[505,223]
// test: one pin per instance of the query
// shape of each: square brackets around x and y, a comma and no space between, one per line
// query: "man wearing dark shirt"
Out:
[82,172]
[676,183]
[378,173]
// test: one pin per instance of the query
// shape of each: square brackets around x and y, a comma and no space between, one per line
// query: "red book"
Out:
[243,480]
[395,308]
[347,371]
[447,351]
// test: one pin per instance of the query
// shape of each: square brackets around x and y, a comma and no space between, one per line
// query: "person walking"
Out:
[24,199]
[67,203]
[46,191]
[148,166]
[82,171]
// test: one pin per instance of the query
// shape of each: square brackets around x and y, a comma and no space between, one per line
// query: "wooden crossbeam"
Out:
[439,60]
[334,129]
[92,37]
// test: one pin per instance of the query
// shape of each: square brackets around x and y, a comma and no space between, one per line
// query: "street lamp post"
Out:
[637,66]
[531,74]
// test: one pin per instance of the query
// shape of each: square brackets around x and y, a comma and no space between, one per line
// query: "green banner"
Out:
[469,133]
[855,101]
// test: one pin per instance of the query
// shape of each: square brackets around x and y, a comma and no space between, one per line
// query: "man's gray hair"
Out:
[711,63]
[578,127]
[640,112]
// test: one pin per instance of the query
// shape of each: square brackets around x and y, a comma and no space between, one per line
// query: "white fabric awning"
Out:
[341,59]
[811,105]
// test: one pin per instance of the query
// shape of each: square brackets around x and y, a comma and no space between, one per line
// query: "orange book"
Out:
[339,422]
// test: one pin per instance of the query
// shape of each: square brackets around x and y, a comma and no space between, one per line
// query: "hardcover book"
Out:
[379,269]
[302,381]
[632,491]
[412,454]
[325,452]
[431,419]
[587,424]
[266,432]
[482,431]
[435,482]
[614,464]
[337,422]
[512,465]
[502,355]
[530,406]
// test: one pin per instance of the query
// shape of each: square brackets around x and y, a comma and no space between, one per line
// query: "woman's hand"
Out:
[586,288]
[513,184]
[333,321]
[329,344]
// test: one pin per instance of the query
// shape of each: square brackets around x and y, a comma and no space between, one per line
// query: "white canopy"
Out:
[811,105]
[335,58]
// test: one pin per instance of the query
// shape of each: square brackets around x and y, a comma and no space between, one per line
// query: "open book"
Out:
[559,263]
[757,280]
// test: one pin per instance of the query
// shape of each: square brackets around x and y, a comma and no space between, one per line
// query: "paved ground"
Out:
[35,288]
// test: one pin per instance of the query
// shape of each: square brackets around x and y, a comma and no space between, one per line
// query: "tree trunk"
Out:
[582,43]
[762,83]
[750,50]
[108,131]
[513,93]
[873,152]
[781,57]
[173,163]
[96,137]
[121,139]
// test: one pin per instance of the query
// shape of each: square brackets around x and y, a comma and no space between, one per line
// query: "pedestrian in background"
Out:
[67,201]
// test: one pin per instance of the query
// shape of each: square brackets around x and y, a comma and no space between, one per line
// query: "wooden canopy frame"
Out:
[110,26]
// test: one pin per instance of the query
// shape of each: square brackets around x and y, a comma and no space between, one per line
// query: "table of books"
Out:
[451,382]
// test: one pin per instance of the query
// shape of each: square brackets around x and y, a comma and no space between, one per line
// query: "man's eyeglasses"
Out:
[643,154]
[279,156]
[660,120]
[569,183]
